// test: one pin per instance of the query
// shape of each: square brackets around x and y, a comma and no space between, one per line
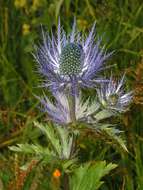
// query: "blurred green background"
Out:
[120,23]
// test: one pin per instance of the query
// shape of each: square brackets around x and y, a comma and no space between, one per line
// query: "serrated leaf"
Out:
[110,132]
[51,136]
[113,134]
[32,149]
[88,176]
[60,138]
[66,140]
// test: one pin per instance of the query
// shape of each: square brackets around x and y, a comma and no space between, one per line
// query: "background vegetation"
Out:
[121,25]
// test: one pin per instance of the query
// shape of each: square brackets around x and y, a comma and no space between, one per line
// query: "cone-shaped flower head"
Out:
[64,57]
[112,95]
[71,59]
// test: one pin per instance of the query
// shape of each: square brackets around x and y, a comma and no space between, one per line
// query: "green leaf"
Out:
[60,138]
[109,131]
[88,176]
[32,149]
[51,136]
[66,140]
[104,114]
[58,7]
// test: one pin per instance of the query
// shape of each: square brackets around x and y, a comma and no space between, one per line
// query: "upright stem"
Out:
[73,100]
[72,105]
[66,182]
[72,108]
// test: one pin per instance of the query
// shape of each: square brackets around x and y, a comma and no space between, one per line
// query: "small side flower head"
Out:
[112,95]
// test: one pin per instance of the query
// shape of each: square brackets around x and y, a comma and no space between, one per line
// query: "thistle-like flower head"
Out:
[112,96]
[63,57]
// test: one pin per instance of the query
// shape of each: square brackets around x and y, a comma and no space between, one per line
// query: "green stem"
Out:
[72,104]
[73,100]
[72,109]
[66,182]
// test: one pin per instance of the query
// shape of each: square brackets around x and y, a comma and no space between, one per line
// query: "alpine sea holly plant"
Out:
[69,63]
